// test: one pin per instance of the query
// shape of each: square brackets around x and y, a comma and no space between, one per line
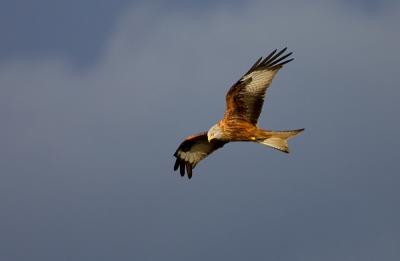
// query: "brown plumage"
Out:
[244,102]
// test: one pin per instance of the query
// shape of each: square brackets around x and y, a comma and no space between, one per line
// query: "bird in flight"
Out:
[244,102]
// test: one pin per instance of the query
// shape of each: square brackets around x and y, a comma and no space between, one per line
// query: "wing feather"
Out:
[192,150]
[245,98]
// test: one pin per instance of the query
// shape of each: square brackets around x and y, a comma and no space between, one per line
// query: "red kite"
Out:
[244,102]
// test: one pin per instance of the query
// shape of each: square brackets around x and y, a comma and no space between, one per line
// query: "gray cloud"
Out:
[87,155]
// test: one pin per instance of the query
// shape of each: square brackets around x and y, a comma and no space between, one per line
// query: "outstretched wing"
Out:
[192,150]
[245,98]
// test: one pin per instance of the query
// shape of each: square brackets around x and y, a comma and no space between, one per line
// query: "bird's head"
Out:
[214,132]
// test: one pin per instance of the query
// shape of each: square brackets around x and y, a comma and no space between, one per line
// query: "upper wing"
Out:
[245,98]
[192,150]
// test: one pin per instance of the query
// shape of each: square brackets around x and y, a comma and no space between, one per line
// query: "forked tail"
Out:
[278,139]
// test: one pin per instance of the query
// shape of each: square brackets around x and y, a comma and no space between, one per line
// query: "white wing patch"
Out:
[260,80]
[196,153]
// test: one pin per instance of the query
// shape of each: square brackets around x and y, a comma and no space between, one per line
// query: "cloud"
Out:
[88,153]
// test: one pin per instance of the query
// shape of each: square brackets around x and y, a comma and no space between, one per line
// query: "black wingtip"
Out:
[182,169]
[189,170]
[266,59]
[254,65]
[280,59]
[176,165]
[274,60]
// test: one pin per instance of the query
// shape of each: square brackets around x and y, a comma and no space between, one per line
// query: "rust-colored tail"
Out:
[278,139]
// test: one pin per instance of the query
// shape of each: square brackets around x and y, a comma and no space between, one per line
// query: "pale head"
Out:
[214,132]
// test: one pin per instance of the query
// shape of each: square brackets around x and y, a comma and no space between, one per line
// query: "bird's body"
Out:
[244,102]
[238,130]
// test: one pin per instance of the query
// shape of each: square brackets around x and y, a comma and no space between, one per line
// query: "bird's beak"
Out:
[209,138]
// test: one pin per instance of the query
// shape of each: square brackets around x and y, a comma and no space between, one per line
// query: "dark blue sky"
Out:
[79,29]
[95,97]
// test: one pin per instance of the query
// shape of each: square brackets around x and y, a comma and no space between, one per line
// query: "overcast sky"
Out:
[95,96]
